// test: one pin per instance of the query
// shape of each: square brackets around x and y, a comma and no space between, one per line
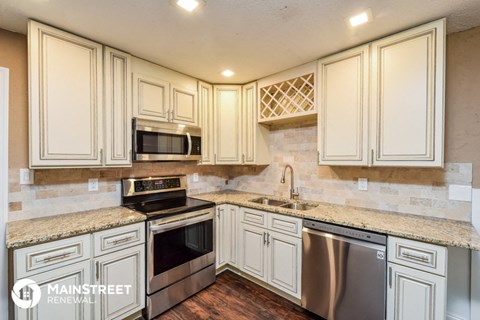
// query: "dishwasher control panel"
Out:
[346,232]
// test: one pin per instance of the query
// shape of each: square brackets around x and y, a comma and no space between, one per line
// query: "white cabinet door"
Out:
[151,98]
[408,97]
[125,268]
[222,254]
[184,106]
[228,132]
[118,108]
[284,262]
[253,251]
[415,295]
[205,101]
[249,122]
[60,306]
[65,89]
[343,117]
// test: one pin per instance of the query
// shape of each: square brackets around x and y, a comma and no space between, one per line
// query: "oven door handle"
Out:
[186,221]
[189,138]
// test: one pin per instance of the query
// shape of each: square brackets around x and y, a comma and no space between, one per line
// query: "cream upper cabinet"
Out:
[390,113]
[66,94]
[228,121]
[205,105]
[407,96]
[151,98]
[162,94]
[255,139]
[343,108]
[118,108]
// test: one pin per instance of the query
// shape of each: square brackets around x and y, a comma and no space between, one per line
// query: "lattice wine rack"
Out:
[286,99]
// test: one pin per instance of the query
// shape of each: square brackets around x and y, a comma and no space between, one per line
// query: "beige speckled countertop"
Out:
[34,231]
[433,230]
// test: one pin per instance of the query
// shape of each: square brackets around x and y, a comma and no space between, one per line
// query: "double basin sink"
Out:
[284,204]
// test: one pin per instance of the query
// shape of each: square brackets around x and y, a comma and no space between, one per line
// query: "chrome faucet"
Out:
[293,195]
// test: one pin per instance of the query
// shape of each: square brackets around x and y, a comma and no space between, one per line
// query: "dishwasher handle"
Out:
[365,244]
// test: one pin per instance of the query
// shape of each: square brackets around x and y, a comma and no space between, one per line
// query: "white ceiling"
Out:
[254,38]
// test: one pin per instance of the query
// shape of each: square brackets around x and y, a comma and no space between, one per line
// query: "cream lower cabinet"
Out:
[270,249]
[389,112]
[226,235]
[75,306]
[114,257]
[124,268]
[417,283]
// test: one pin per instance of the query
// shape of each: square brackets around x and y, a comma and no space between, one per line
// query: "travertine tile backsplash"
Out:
[416,191]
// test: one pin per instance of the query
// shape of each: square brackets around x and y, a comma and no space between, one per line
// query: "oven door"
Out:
[179,248]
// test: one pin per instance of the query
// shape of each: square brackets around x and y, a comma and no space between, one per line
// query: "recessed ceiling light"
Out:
[228,73]
[360,18]
[190,5]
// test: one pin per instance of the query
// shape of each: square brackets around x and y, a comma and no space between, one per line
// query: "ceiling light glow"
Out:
[228,73]
[188,5]
[361,18]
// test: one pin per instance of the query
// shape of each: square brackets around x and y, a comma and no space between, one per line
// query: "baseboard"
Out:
[451,316]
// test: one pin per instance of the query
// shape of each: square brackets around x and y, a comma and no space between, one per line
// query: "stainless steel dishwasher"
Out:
[343,272]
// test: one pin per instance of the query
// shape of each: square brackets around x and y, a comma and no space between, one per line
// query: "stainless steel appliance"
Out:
[343,272]
[180,240]
[164,141]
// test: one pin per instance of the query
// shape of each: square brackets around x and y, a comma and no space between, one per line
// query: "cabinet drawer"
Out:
[285,224]
[255,217]
[118,238]
[40,258]
[418,255]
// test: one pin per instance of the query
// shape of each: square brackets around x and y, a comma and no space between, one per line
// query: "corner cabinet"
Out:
[226,235]
[403,124]
[238,138]
[66,94]
[73,121]
[161,94]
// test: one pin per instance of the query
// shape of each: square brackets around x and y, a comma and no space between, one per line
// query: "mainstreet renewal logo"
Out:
[26,293]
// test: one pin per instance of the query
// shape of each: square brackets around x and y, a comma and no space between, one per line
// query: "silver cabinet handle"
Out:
[390,277]
[171,116]
[56,257]
[97,270]
[414,256]
[264,238]
[189,138]
[243,158]
[268,239]
[218,213]
[122,240]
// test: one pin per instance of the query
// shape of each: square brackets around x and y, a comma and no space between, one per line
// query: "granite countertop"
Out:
[34,231]
[433,230]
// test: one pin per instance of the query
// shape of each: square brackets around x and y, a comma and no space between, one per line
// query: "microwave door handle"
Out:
[189,145]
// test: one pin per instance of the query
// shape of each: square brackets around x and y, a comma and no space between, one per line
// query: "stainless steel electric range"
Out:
[180,257]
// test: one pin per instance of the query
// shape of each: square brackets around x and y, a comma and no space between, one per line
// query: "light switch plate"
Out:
[92,184]
[460,192]
[26,176]
[195,177]
[363,184]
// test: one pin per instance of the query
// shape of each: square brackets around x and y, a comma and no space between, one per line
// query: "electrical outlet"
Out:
[26,176]
[195,177]
[363,184]
[92,184]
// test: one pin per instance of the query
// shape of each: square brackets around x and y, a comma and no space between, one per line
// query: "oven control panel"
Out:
[157,184]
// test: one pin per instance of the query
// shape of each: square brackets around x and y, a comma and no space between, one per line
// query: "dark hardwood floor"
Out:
[233,297]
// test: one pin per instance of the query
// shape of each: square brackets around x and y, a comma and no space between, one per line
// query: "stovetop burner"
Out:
[160,196]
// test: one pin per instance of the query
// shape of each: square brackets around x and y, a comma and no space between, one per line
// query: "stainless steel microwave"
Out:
[164,141]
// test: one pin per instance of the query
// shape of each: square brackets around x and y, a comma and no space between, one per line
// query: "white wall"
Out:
[475,256]
[3,189]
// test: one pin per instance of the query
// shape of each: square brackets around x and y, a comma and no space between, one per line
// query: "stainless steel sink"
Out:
[298,206]
[269,202]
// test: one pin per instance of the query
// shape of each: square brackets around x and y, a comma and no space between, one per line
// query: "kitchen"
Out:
[425,203]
